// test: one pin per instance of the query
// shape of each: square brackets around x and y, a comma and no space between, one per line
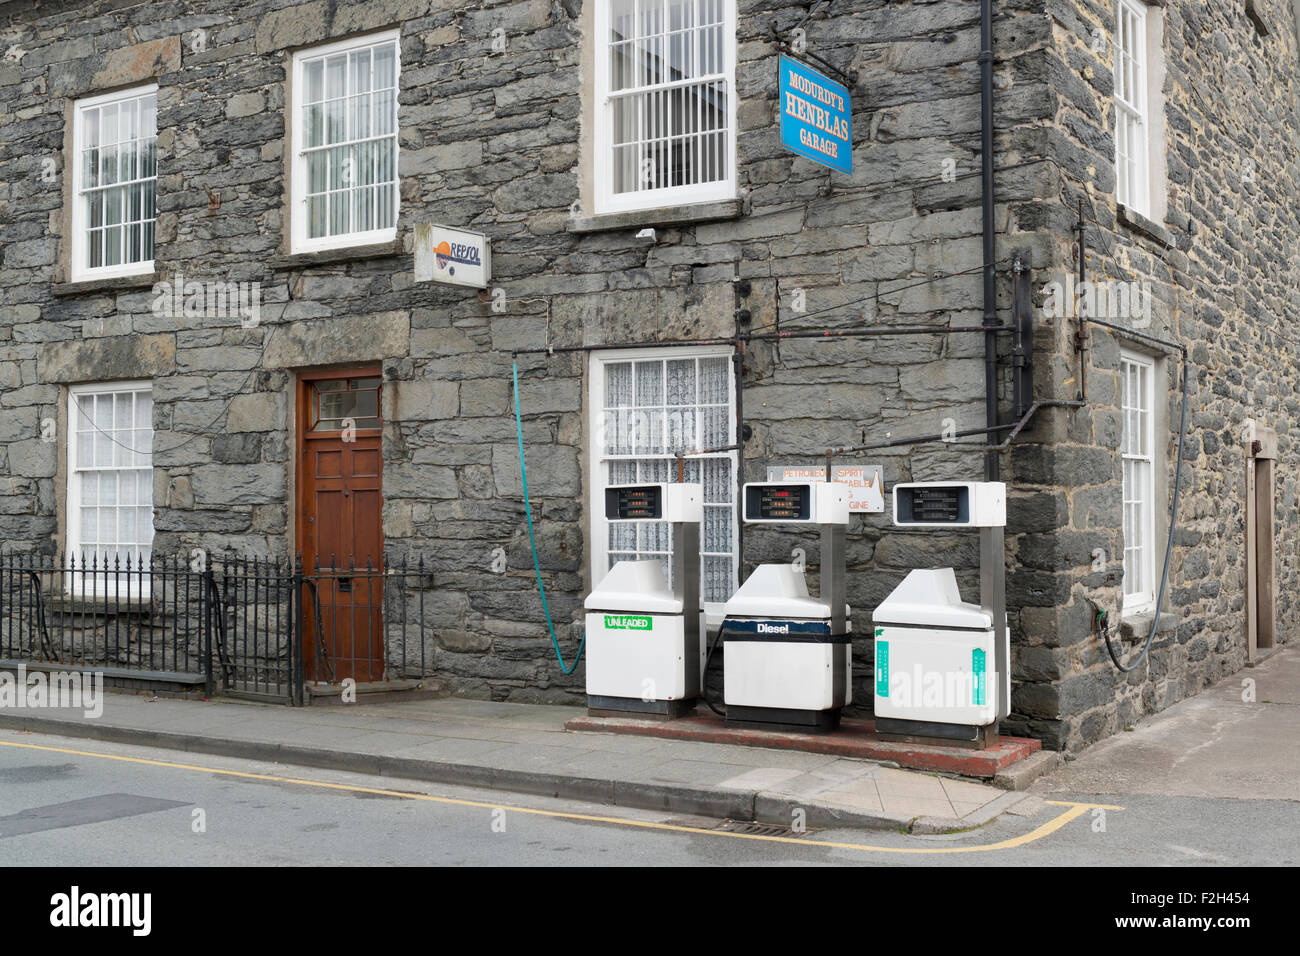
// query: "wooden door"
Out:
[339,532]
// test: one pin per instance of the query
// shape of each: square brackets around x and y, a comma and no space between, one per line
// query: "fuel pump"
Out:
[943,665]
[644,652]
[787,657]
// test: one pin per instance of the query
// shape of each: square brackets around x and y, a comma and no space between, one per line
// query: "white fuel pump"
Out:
[943,665]
[787,656]
[644,652]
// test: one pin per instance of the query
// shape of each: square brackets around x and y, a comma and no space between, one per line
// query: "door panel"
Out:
[340,535]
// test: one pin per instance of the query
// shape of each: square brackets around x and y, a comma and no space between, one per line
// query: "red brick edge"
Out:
[855,738]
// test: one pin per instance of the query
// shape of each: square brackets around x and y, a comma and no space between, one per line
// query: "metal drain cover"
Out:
[757,829]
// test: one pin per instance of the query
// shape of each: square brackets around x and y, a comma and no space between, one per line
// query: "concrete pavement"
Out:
[1239,739]
[525,748]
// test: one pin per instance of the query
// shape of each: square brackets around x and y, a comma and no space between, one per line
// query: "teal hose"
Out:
[532,540]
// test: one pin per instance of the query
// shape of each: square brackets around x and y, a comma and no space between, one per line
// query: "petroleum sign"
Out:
[816,116]
[452,255]
[866,483]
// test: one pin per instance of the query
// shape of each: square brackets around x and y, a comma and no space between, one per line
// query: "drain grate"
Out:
[753,828]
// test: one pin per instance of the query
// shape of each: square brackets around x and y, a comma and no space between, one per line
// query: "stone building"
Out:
[167,378]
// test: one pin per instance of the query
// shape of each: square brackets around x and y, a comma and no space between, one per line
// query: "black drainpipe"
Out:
[990,273]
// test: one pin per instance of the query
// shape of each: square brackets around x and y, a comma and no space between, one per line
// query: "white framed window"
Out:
[344,142]
[647,404]
[1137,445]
[110,476]
[114,188]
[665,125]
[1132,113]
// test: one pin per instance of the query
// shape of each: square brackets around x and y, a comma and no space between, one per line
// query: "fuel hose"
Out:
[532,539]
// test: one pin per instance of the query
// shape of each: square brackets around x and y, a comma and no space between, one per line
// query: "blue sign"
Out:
[816,116]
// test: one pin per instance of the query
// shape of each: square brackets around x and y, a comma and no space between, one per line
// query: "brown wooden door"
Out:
[339,533]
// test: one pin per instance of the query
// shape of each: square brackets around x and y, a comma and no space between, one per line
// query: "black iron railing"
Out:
[252,626]
[138,614]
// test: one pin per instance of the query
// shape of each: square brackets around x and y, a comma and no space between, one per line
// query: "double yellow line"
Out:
[1072,811]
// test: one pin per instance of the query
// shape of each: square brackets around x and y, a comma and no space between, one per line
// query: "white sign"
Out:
[866,483]
[451,255]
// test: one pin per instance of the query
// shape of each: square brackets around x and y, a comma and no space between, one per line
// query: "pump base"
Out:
[779,718]
[925,732]
[634,706]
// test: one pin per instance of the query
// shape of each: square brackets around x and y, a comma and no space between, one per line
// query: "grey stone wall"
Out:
[493,141]
[1224,281]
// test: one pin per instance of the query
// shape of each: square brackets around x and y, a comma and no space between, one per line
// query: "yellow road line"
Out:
[1074,810]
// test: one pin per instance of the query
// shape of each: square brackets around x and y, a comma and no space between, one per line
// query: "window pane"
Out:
[618,384]
[359,71]
[314,125]
[314,74]
[90,127]
[336,75]
[108,165]
[385,66]
[113,246]
[108,124]
[387,207]
[649,383]
[681,382]
[385,106]
[359,116]
[316,216]
[317,163]
[335,122]
[385,167]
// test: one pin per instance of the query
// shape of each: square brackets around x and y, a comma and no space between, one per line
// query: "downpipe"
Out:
[991,465]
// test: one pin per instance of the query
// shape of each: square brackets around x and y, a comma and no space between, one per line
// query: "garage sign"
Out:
[816,116]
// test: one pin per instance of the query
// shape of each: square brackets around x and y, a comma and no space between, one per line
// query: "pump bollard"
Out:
[788,657]
[644,652]
[933,651]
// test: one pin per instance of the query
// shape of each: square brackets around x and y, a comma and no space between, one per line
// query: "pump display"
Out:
[943,665]
[644,652]
[787,656]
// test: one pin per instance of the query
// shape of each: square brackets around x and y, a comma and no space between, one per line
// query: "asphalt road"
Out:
[67,802]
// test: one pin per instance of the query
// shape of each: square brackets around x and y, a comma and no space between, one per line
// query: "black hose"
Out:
[704,690]
[1169,545]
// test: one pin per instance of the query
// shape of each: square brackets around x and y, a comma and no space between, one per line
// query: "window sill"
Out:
[1136,626]
[300,260]
[665,216]
[1140,224]
[145,280]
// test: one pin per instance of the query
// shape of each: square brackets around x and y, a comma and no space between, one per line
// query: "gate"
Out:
[365,623]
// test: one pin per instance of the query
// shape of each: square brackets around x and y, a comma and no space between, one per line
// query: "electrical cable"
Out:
[876,296]
[199,434]
[532,539]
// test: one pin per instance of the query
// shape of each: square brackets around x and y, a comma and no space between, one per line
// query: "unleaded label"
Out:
[627,622]
[979,686]
[882,667]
